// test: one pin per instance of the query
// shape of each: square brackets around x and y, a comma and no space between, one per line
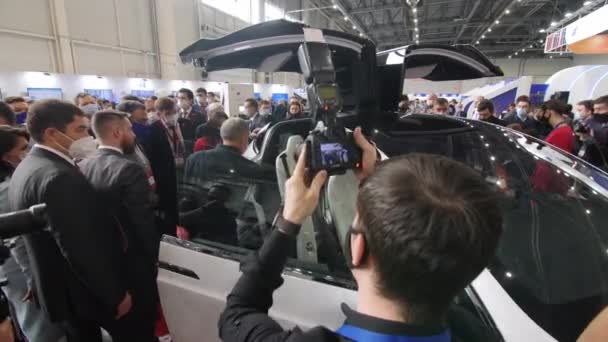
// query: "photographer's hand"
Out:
[300,199]
[369,157]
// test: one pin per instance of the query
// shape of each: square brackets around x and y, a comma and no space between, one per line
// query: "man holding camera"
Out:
[425,227]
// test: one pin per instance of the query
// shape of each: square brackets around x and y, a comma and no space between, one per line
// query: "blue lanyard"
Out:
[358,334]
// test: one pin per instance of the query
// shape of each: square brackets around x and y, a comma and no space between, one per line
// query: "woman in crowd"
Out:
[295,111]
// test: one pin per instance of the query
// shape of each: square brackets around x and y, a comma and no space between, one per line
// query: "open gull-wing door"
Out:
[432,62]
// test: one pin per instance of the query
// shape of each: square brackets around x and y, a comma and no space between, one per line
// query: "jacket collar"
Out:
[387,327]
[45,151]
[229,148]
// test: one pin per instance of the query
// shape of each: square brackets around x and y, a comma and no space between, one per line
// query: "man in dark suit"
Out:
[521,116]
[208,134]
[190,117]
[123,186]
[77,266]
[485,108]
[166,147]
[227,159]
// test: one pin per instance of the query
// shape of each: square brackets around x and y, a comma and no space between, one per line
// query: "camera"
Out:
[329,146]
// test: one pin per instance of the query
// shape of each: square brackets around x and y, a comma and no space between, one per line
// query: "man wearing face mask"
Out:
[87,104]
[208,134]
[189,116]
[201,99]
[596,134]
[77,266]
[20,107]
[552,114]
[123,186]
[166,154]
[521,117]
[32,321]
[406,205]
[257,120]
[430,103]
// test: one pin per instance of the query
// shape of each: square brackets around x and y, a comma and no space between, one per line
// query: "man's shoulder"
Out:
[319,333]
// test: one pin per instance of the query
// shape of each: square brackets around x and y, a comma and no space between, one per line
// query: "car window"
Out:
[553,255]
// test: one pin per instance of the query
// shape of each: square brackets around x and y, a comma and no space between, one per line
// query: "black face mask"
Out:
[348,254]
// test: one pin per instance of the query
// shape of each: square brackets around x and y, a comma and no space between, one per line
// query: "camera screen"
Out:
[333,154]
[327,92]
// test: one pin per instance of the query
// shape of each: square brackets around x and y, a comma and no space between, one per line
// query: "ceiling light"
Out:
[416,29]
[416,20]
[517,53]
[489,30]
[508,11]
[415,10]
[587,3]
[417,42]
[568,15]
[360,34]
[497,22]
[477,42]
[523,50]
[335,6]
[354,27]
[346,18]
[550,57]
[531,46]
[483,36]
[542,31]
[553,23]
[541,41]
[510,56]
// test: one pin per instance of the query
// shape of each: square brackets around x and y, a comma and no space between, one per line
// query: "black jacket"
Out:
[76,267]
[188,125]
[496,121]
[162,163]
[529,126]
[123,186]
[245,318]
[224,161]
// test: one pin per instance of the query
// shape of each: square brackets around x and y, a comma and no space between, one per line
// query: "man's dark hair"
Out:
[485,104]
[104,120]
[79,96]
[187,92]
[131,98]
[253,102]
[164,104]
[555,105]
[588,104]
[201,90]
[153,98]
[264,102]
[601,100]
[523,98]
[8,138]
[7,113]
[50,114]
[14,99]
[431,225]
[130,106]
[105,101]
[441,102]
[210,93]
[568,108]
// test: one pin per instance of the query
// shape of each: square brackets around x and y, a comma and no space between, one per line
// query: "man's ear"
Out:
[358,247]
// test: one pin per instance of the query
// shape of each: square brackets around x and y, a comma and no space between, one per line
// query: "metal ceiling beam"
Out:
[377,8]
[352,18]
[526,16]
[467,20]
[448,39]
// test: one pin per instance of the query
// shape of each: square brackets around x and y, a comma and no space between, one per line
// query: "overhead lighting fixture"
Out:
[517,53]
[523,50]
[477,42]
[568,15]
[553,23]
[417,42]
[360,34]
[414,10]
[483,36]
[345,18]
[335,6]
[550,57]
[587,3]
[416,20]
[542,30]
[531,46]
[489,30]
[541,41]
[508,11]
[354,27]
[510,56]
[416,29]
[497,22]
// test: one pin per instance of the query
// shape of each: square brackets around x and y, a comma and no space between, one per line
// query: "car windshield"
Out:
[553,255]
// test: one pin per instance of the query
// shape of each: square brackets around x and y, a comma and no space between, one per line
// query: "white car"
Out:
[550,274]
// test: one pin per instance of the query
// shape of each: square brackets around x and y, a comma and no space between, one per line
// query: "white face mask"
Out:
[521,113]
[89,109]
[83,148]
[265,111]
[171,120]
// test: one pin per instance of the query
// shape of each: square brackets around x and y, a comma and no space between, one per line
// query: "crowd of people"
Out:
[580,130]
[108,174]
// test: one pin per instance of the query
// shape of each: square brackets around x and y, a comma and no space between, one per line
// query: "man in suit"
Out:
[227,159]
[77,266]
[190,117]
[521,116]
[485,111]
[208,134]
[123,186]
[166,147]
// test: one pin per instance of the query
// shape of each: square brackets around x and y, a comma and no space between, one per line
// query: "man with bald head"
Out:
[227,159]
[125,190]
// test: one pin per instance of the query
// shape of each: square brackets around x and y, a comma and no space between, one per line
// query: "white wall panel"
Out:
[24,53]
[26,15]
[135,64]
[92,60]
[186,23]
[92,20]
[135,24]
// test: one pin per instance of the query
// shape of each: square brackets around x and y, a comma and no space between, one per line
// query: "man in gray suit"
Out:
[123,187]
